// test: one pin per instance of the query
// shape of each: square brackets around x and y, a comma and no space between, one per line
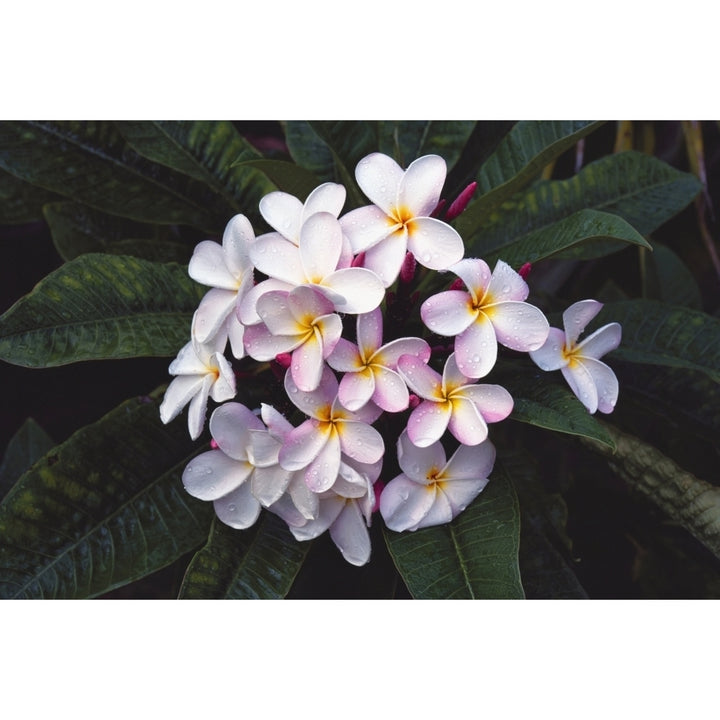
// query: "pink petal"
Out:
[247,307]
[273,308]
[379,177]
[322,471]
[420,464]
[518,325]
[278,258]
[550,355]
[420,378]
[577,316]
[315,401]
[466,422]
[283,213]
[213,474]
[320,246]
[360,441]
[404,503]
[448,313]
[238,509]
[366,227]
[434,243]
[345,357]
[493,401]
[605,382]
[387,256]
[303,444]
[354,290]
[470,462]
[262,345]
[581,382]
[601,342]
[307,303]
[421,185]
[476,348]
[276,422]
[428,421]
[390,392]
[349,532]
[208,266]
[369,332]
[328,197]
[388,354]
[475,273]
[356,388]
[505,285]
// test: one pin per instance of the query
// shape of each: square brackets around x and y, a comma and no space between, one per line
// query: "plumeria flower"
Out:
[592,381]
[201,371]
[399,220]
[431,491]
[222,475]
[451,402]
[302,322]
[371,368]
[228,271]
[492,310]
[331,432]
[314,262]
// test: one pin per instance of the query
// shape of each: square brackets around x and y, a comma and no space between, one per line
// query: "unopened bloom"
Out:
[399,220]
[201,371]
[431,491]
[592,381]
[451,402]
[371,368]
[492,310]
[228,271]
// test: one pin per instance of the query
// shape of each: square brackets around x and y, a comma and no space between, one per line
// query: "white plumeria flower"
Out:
[314,262]
[399,220]
[451,402]
[331,432]
[592,381]
[201,371]
[491,311]
[228,271]
[431,491]
[303,322]
[371,368]
[222,475]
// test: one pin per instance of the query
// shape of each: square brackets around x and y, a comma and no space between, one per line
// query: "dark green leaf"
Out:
[90,162]
[475,556]
[21,202]
[102,509]
[28,444]
[583,227]
[78,229]
[258,563]
[309,150]
[99,307]
[669,279]
[287,176]
[660,334]
[212,152]
[518,159]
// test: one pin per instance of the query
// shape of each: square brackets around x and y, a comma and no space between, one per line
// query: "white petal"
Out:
[470,462]
[305,500]
[236,335]
[247,308]
[329,509]
[213,474]
[238,509]
[448,313]
[518,325]
[198,408]
[262,345]
[316,400]
[440,511]
[273,307]
[550,355]
[328,197]
[321,473]
[276,422]
[420,463]
[605,382]
[187,362]
[178,394]
[581,382]
[475,273]
[390,393]
[345,357]
[283,212]
[269,483]
[369,332]
[428,421]
[419,377]
[320,246]
[356,388]
[386,257]
[349,532]
[208,266]
[358,290]
[306,366]
[236,238]
[379,177]
[601,342]
[360,441]
[460,493]
[506,284]
[366,227]
[421,185]
[215,308]
[230,425]
[303,445]
[404,503]
[493,401]
[577,316]
[476,348]
[453,377]
[224,386]
[285,508]
[434,243]
[278,258]
[389,353]
[466,422]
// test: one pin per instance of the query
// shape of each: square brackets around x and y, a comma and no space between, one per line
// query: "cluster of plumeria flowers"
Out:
[286,298]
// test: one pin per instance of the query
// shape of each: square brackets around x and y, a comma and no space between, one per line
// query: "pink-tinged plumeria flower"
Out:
[431,491]
[451,402]
[592,381]
[303,322]
[331,432]
[491,311]
[228,271]
[371,368]
[223,475]
[315,262]
[201,371]
[399,220]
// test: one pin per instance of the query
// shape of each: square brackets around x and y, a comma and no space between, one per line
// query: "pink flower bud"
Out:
[378,487]
[407,270]
[438,208]
[283,360]
[460,202]
[458,284]
[524,271]
[213,444]
[358,260]
[414,401]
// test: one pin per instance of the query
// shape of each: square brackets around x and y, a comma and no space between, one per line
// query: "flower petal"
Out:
[230,425]
[262,345]
[421,185]
[329,509]
[345,357]
[356,388]
[420,378]
[475,273]
[321,473]
[360,441]
[305,500]
[434,243]
[601,342]
[307,362]
[606,384]
[303,444]
[420,464]
[198,408]
[581,382]
[506,284]
[470,462]
[385,258]
[448,313]
[452,377]
[269,483]
[283,212]
[369,332]
[354,289]
[328,197]
[247,307]
[428,421]
[320,246]
[389,353]
[494,402]
[404,503]
[215,308]
[208,266]
[278,258]
[236,335]
[549,356]
[576,318]
[285,508]
[178,394]
[379,177]
[440,511]
[365,227]
[460,493]
[315,401]
[476,348]
[518,325]
[238,509]
[187,362]
[466,423]
[349,532]
[237,237]
[390,393]
[223,388]
[213,474]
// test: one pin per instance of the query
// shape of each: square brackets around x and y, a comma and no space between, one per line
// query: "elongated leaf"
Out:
[641,189]
[309,150]
[102,509]
[287,176]
[78,229]
[258,563]
[28,444]
[692,502]
[212,152]
[98,307]
[585,227]
[475,556]
[90,162]
[660,334]
[670,280]
[408,140]
[519,158]
[21,202]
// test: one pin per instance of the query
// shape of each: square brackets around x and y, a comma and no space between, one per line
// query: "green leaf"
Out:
[99,307]
[90,162]
[669,279]
[518,159]
[408,140]
[475,556]
[582,227]
[26,446]
[258,563]
[309,150]
[656,333]
[287,176]
[692,502]
[639,188]
[102,509]
[212,152]
[78,229]
[21,202]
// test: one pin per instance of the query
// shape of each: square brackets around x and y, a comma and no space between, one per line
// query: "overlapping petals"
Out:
[492,310]
[399,220]
[592,381]
[451,402]
[431,491]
